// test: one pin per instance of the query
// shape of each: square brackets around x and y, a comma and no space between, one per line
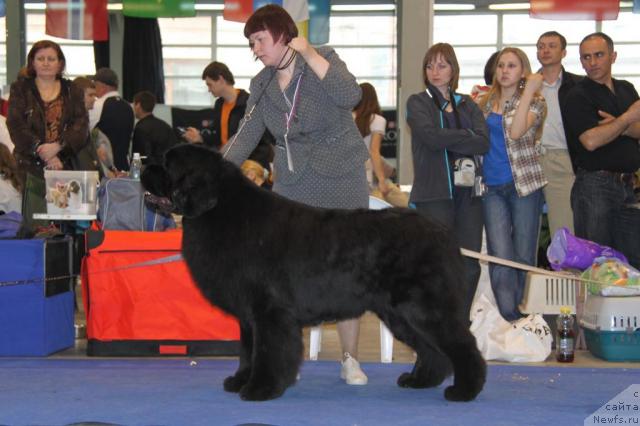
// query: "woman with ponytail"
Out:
[515,111]
[448,134]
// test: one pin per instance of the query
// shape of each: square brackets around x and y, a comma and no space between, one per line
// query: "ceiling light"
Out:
[118,6]
[209,6]
[449,6]
[509,6]
[362,8]
[34,6]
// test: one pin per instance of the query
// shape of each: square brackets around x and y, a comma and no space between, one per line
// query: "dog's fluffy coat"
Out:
[278,265]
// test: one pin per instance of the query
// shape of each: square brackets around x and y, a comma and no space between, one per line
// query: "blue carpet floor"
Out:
[178,392]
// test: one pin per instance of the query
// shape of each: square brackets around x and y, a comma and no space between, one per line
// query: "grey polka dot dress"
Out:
[321,161]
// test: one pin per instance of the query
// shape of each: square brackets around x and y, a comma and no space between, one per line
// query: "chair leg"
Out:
[386,344]
[315,342]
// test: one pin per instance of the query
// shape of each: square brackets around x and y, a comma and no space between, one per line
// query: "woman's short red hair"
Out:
[274,19]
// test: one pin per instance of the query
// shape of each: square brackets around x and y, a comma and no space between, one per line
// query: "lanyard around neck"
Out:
[288,117]
[292,112]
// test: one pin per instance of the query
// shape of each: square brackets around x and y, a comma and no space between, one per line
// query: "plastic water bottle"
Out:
[136,166]
[565,336]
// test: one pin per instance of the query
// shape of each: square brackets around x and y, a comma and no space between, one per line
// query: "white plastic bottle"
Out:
[136,166]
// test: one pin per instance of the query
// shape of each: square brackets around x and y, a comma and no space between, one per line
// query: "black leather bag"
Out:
[85,159]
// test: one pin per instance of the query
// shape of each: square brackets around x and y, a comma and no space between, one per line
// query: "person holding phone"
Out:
[228,110]
[304,96]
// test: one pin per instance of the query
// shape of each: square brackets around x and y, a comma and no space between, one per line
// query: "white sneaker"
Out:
[351,371]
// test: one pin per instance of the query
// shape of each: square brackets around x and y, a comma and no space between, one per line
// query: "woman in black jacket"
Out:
[448,134]
[47,118]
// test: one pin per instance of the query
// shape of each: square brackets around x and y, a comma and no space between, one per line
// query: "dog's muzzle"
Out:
[162,204]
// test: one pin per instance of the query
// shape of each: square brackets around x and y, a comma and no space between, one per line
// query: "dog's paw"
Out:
[260,393]
[234,383]
[458,393]
[410,380]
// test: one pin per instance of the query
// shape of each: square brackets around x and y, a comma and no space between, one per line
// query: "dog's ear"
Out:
[155,179]
[196,178]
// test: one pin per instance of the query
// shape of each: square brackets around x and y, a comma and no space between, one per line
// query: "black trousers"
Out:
[463,215]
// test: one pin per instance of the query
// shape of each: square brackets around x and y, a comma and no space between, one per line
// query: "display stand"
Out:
[63,217]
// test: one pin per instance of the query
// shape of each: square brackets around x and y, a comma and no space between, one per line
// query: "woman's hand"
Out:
[192,135]
[318,64]
[302,46]
[47,151]
[533,83]
[383,187]
[54,163]
[524,119]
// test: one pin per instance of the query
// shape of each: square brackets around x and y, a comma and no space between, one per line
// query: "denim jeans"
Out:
[596,198]
[512,225]
[463,215]
[628,241]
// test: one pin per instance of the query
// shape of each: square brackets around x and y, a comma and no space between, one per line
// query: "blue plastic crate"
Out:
[613,345]
[36,297]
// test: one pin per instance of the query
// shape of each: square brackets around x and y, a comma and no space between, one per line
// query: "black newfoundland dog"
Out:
[278,266]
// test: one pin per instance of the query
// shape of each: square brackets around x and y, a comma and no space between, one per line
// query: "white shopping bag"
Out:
[525,340]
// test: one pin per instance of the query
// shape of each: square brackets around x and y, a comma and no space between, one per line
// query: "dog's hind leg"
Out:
[470,369]
[431,368]
[277,353]
[456,342]
[241,377]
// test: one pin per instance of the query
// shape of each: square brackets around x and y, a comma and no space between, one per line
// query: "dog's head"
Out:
[189,178]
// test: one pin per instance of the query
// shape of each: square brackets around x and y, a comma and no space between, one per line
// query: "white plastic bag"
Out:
[525,340]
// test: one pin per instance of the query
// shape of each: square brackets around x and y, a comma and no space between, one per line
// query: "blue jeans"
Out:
[512,225]
[596,199]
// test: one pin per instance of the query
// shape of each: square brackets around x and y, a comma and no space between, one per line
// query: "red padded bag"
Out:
[140,301]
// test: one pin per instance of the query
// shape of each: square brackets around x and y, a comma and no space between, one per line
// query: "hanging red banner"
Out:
[598,10]
[237,10]
[77,19]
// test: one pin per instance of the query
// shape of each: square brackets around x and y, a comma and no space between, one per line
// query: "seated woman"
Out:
[371,124]
[255,172]
[10,184]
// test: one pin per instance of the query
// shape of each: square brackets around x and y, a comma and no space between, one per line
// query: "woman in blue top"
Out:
[447,131]
[513,202]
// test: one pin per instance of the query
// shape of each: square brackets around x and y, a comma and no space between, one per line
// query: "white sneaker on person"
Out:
[351,371]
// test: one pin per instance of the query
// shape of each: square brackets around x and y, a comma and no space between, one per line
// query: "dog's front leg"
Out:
[241,377]
[277,353]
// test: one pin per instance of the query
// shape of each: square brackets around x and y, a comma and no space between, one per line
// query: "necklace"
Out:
[289,61]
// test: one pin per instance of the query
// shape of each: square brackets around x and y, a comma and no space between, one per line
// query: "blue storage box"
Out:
[613,345]
[36,297]
[612,327]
